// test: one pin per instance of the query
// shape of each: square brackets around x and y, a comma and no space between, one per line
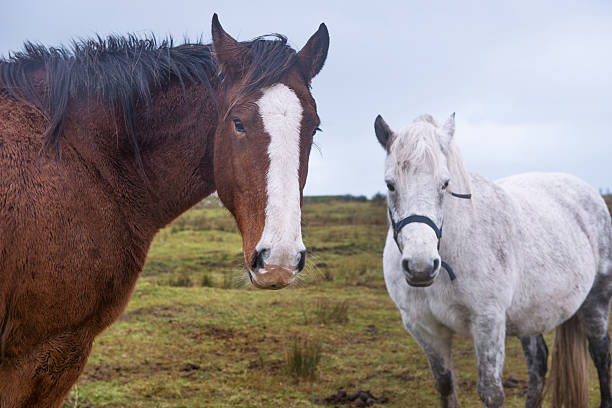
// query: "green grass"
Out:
[303,360]
[196,335]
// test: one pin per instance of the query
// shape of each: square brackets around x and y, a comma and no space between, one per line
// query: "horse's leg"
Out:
[436,343]
[599,348]
[43,378]
[594,315]
[536,355]
[489,332]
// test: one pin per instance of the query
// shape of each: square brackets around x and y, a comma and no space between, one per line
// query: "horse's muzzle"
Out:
[422,276]
[275,275]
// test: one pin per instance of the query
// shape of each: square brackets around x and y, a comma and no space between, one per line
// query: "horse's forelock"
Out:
[426,118]
[418,145]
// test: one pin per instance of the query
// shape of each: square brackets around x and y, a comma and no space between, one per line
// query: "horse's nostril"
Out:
[301,261]
[257,261]
[436,263]
[405,266]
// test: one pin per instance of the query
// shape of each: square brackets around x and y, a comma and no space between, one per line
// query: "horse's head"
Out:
[420,161]
[267,121]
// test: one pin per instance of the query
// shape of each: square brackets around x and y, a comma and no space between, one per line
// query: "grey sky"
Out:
[531,82]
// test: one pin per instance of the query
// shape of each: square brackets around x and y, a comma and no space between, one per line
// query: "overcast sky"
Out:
[530,81]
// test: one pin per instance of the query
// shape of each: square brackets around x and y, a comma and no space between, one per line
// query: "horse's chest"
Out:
[432,310]
[453,315]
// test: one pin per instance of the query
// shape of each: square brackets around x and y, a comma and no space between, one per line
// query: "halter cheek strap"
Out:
[466,196]
[397,227]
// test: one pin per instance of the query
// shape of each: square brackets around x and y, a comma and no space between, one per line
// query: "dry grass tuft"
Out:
[329,312]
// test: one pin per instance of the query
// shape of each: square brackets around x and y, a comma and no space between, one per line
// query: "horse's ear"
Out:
[312,57]
[384,134]
[229,53]
[448,131]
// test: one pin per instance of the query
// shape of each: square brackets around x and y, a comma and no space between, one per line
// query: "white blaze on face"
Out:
[281,113]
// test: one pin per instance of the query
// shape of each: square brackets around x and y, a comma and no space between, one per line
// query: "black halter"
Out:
[397,227]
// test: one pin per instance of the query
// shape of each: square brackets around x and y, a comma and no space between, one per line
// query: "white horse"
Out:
[529,252]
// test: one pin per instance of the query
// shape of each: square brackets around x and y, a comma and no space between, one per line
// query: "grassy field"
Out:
[196,335]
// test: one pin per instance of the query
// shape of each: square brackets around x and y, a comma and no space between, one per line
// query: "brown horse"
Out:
[104,144]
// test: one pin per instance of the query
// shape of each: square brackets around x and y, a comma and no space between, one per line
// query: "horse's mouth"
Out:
[419,284]
[267,285]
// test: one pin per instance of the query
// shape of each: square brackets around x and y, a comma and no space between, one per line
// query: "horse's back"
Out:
[564,230]
[561,197]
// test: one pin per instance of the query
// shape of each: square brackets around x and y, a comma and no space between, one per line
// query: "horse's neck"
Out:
[458,212]
[178,161]
[464,218]
[176,149]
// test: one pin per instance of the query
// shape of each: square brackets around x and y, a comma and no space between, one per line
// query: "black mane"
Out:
[122,70]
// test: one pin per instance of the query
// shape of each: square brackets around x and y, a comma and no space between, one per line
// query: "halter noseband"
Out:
[422,219]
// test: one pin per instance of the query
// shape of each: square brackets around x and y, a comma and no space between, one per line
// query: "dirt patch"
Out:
[99,373]
[468,385]
[190,367]
[218,332]
[272,366]
[361,398]
[201,333]
[513,384]
[371,330]
[190,370]
[124,373]
[153,268]
[107,372]
[155,311]
[406,375]
[370,285]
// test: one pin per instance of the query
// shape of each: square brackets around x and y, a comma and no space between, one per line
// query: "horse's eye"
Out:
[390,187]
[238,125]
[316,130]
[445,185]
